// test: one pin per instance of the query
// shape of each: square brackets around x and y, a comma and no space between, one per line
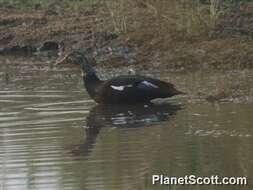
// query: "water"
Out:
[53,136]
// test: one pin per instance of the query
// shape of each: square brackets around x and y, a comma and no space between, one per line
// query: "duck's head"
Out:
[77,58]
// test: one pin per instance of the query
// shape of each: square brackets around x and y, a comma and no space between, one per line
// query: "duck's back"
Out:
[132,89]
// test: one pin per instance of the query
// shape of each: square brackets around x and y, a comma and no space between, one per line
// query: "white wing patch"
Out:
[149,84]
[121,88]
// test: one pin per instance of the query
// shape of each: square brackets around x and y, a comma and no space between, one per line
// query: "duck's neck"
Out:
[90,78]
[91,82]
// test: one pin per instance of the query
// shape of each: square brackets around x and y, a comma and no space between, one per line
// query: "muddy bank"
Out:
[148,45]
[33,29]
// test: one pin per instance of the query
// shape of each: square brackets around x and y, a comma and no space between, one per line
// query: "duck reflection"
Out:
[128,116]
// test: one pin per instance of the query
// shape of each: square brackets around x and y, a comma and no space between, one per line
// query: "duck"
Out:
[124,89]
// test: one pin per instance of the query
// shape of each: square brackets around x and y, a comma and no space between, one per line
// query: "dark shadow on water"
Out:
[121,116]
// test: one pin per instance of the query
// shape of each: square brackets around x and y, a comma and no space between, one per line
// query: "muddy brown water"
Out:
[54,137]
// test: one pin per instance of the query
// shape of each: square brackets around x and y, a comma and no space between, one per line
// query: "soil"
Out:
[30,32]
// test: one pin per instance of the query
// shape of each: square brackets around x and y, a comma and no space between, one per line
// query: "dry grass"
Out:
[187,33]
[178,34]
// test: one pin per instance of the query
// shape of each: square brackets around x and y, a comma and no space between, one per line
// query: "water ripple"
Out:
[53,137]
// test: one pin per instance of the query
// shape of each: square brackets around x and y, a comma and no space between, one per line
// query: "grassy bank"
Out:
[178,34]
[46,4]
[188,33]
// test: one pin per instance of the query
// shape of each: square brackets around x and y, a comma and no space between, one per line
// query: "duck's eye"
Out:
[70,59]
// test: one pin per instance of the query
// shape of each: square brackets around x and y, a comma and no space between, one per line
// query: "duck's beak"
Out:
[182,93]
[61,61]
[178,92]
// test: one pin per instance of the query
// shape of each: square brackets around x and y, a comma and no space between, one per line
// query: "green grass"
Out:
[43,4]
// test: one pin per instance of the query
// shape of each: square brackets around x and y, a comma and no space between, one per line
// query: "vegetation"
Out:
[190,17]
[175,32]
[188,33]
[44,4]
